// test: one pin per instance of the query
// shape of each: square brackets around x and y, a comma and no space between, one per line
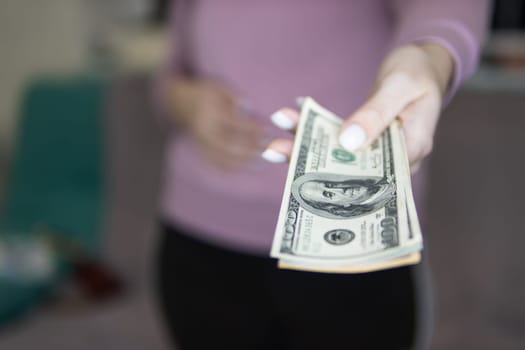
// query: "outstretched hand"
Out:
[221,129]
[410,86]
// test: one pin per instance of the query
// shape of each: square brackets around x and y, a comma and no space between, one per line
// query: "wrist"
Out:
[441,62]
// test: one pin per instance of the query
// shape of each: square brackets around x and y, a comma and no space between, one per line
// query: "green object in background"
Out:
[56,178]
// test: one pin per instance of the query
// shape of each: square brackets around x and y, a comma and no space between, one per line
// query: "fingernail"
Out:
[273,156]
[353,137]
[282,120]
[299,101]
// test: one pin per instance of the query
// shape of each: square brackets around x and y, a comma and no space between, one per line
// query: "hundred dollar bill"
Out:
[345,211]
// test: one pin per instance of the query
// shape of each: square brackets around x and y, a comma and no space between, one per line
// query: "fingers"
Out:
[243,143]
[231,153]
[414,168]
[419,124]
[286,119]
[393,94]
[278,151]
[229,141]
[243,138]
[224,160]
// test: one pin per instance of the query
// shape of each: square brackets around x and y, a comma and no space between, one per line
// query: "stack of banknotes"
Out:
[346,212]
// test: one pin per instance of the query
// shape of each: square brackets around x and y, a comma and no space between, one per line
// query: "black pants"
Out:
[218,299]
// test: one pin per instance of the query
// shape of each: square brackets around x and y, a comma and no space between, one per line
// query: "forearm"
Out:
[457,25]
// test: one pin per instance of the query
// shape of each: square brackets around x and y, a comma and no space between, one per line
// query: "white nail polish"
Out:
[273,156]
[353,137]
[282,120]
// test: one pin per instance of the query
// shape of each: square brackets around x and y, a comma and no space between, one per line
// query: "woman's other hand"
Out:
[410,85]
[223,131]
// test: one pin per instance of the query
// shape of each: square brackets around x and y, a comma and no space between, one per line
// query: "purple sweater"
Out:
[269,52]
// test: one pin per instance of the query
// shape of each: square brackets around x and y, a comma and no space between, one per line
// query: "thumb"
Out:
[393,94]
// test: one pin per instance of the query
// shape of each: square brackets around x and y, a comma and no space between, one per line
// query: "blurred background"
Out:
[80,157]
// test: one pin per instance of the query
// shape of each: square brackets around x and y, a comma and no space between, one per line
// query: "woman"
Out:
[235,62]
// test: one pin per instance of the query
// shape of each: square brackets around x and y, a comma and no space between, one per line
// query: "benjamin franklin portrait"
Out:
[340,196]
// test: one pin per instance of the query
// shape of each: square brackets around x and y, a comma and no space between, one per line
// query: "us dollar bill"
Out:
[345,211]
